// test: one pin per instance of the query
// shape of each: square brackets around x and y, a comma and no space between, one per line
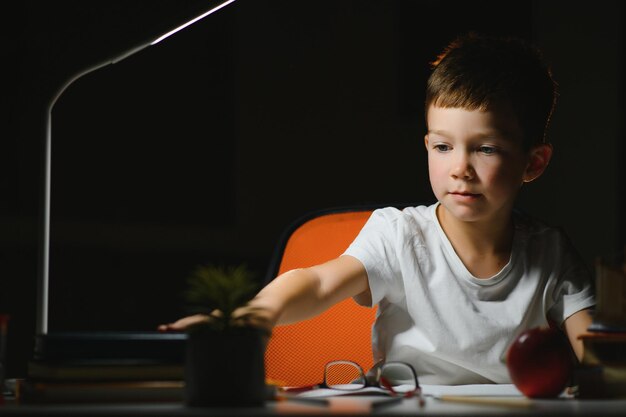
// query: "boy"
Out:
[456,282]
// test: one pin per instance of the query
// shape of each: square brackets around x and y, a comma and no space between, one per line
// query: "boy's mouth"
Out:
[464,195]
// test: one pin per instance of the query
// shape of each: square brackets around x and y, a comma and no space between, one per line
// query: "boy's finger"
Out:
[183,323]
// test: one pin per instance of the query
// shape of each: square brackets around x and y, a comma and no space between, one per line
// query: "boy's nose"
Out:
[462,168]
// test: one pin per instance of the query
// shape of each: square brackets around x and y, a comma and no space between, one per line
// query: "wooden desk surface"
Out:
[344,406]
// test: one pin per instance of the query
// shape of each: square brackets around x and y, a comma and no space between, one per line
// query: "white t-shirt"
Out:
[451,326]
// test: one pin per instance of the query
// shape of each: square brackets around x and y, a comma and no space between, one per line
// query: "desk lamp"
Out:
[48,345]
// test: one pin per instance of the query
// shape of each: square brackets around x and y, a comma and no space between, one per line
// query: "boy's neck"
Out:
[484,247]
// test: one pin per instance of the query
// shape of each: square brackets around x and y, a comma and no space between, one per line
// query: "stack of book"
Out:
[602,373]
[105,367]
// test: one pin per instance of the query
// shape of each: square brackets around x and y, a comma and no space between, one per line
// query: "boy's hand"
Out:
[184,323]
[256,317]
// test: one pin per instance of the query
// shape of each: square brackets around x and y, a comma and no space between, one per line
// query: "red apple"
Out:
[539,362]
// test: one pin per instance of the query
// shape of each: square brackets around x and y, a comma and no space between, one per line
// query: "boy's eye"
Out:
[442,147]
[487,150]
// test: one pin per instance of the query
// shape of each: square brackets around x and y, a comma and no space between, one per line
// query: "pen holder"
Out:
[610,314]
[224,367]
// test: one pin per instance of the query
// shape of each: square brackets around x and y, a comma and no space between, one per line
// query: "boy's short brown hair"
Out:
[477,72]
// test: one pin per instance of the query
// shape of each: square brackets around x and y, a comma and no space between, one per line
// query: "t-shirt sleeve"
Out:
[573,289]
[374,248]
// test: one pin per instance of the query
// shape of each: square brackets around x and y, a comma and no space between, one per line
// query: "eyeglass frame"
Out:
[375,380]
[369,378]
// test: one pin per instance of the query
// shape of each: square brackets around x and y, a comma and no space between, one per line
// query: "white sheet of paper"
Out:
[474,390]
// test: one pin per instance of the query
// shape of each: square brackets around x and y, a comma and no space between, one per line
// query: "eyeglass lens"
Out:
[399,377]
[344,375]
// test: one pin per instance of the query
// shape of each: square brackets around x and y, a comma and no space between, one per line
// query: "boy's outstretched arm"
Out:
[575,325]
[299,294]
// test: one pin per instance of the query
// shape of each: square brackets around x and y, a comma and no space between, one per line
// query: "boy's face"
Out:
[476,161]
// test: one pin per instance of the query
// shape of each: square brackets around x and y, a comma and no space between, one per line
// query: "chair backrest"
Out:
[297,353]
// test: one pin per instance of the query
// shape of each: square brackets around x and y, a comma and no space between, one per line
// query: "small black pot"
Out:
[225,367]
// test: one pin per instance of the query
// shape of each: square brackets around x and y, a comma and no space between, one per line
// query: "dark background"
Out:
[206,146]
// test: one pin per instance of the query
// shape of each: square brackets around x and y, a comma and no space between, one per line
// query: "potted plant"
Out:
[225,354]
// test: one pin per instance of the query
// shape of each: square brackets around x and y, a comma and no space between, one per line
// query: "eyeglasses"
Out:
[399,378]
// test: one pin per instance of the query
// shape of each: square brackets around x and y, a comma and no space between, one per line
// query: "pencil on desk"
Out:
[504,402]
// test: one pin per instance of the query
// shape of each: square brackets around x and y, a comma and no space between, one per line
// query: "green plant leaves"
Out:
[225,289]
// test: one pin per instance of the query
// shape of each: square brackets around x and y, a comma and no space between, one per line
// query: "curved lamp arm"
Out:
[44,261]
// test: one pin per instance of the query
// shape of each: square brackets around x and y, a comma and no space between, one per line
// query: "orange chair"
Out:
[297,353]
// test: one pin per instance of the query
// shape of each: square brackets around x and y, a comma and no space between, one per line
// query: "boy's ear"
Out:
[426,141]
[538,160]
